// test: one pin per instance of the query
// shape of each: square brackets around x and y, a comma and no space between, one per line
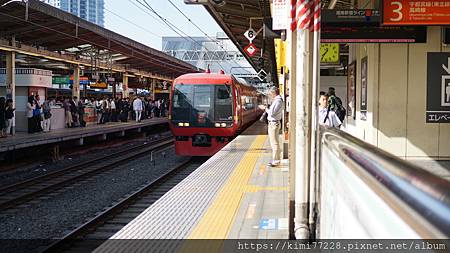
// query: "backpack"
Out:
[339,109]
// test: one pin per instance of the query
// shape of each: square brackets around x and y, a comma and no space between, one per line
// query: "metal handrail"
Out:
[421,198]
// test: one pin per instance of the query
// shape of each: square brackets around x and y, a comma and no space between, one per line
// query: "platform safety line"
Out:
[218,219]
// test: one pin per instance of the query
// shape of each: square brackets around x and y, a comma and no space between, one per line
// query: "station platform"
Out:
[25,140]
[234,195]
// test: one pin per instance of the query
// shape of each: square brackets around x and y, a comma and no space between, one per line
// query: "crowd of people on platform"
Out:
[107,109]
[138,108]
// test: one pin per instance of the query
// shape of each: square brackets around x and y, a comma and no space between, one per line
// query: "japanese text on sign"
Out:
[424,12]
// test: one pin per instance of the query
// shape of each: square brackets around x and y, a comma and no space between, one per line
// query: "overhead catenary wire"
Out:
[201,30]
[175,29]
[147,12]
[131,22]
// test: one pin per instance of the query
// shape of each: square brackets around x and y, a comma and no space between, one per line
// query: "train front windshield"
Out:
[202,105]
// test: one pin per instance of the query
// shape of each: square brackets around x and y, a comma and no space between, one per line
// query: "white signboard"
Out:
[280,14]
[250,34]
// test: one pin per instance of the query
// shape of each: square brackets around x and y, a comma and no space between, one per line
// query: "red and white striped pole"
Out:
[307,21]
[292,64]
[317,16]
[302,123]
[293,15]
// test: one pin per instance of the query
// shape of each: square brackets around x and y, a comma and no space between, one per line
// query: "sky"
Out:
[148,28]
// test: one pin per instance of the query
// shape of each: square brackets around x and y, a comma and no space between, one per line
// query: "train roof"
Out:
[217,77]
[194,76]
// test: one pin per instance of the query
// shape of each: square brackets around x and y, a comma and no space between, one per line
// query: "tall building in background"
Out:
[56,3]
[90,10]
[219,53]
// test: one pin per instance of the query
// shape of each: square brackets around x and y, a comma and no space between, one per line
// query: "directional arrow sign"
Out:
[445,84]
[250,34]
[447,68]
[250,49]
[262,75]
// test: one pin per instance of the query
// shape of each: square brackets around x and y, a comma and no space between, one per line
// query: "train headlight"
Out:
[223,125]
[217,125]
[180,124]
[186,124]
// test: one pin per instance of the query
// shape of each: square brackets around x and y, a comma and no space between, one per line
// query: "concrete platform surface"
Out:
[234,195]
[24,140]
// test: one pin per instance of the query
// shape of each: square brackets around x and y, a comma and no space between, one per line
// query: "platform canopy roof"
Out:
[43,27]
[234,18]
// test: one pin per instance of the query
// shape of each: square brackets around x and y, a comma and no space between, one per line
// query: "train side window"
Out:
[248,103]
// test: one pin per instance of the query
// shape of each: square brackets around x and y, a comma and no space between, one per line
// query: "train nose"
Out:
[201,140]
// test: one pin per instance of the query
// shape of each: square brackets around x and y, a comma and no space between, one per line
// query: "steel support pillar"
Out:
[76,82]
[292,64]
[11,83]
[302,107]
[125,91]
[153,89]
[315,135]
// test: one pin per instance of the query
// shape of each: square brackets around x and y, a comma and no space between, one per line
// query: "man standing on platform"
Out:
[274,115]
[137,107]
[327,117]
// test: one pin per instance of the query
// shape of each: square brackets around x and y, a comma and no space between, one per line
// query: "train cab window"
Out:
[182,102]
[202,97]
[203,107]
[223,103]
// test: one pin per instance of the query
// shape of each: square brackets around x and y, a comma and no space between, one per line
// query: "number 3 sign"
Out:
[423,12]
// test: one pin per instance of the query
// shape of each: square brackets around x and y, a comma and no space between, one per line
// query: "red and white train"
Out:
[208,110]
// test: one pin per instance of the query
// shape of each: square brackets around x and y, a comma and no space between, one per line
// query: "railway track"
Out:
[17,195]
[93,233]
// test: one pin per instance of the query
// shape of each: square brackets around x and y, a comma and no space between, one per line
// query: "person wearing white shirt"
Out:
[99,110]
[137,107]
[113,110]
[327,117]
[274,115]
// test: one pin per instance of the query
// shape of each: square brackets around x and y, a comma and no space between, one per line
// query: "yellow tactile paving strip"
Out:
[218,219]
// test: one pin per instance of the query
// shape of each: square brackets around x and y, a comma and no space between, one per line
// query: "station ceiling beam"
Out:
[234,19]
[55,32]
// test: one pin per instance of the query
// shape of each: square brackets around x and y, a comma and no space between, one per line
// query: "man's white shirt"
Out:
[332,119]
[275,112]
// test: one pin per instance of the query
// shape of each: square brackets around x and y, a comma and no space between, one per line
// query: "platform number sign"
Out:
[251,49]
[423,12]
[250,34]
[438,88]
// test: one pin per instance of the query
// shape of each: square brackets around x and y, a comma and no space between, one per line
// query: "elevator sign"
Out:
[438,88]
